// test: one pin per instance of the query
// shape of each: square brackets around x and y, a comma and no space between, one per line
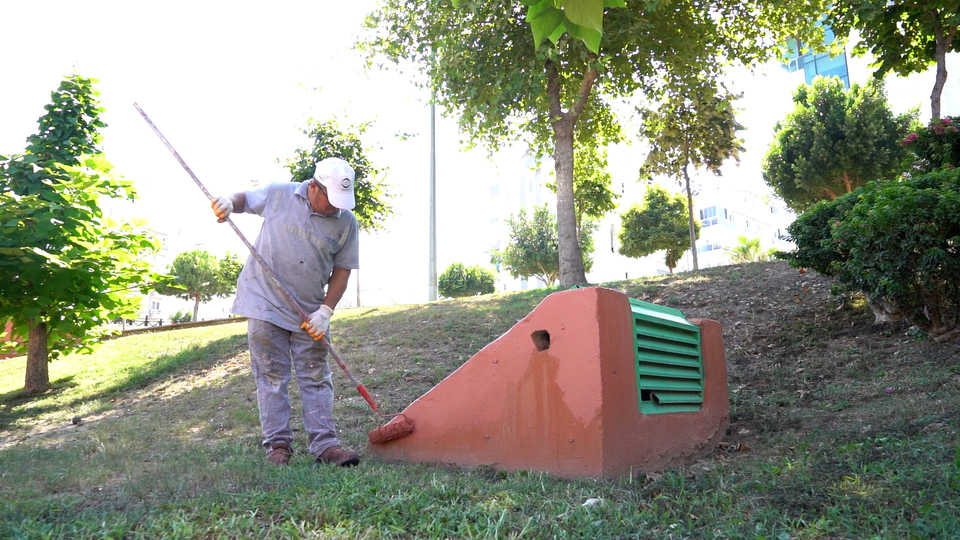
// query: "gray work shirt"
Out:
[301,247]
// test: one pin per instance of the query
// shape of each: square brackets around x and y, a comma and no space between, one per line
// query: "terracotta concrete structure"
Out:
[558,393]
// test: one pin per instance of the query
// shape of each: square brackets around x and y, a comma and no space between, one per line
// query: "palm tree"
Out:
[748,250]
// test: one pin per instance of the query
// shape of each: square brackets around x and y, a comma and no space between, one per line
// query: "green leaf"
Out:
[587,14]
[544,19]
[589,36]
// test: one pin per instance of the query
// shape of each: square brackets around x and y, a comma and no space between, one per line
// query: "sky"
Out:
[231,85]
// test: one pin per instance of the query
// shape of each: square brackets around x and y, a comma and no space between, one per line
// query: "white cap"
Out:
[337,176]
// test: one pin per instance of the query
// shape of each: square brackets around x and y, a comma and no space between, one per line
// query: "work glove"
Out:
[222,207]
[319,322]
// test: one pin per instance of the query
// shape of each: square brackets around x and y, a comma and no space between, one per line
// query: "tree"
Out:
[696,128]
[66,269]
[329,140]
[533,246]
[199,276]
[458,281]
[834,141]
[903,36]
[660,223]
[748,250]
[479,62]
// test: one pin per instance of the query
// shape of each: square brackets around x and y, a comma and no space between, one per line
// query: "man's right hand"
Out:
[222,207]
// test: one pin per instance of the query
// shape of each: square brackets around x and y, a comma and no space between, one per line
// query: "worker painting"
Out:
[309,239]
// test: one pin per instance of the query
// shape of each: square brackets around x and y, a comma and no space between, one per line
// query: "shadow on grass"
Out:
[10,400]
[16,405]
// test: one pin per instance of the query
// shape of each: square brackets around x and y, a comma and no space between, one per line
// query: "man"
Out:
[309,238]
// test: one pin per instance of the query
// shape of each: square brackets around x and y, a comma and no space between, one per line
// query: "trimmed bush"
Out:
[903,245]
[896,242]
[458,281]
[811,233]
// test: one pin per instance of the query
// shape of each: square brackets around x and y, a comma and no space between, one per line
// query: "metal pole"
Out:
[432,285]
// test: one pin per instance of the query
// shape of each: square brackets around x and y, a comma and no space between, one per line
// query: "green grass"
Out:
[168,445]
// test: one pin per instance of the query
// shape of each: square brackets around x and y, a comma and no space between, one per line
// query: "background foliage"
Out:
[199,276]
[533,247]
[834,141]
[370,188]
[458,281]
[66,269]
[934,147]
[660,223]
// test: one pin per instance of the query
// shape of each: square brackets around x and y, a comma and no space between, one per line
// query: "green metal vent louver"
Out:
[669,363]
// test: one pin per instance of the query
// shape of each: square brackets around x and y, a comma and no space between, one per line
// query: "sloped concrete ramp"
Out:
[558,393]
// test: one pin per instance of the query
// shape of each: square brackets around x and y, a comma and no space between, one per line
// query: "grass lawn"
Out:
[840,428]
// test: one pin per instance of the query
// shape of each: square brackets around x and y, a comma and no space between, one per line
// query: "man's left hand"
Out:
[318,323]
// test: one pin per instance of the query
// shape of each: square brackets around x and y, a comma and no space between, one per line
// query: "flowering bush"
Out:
[935,147]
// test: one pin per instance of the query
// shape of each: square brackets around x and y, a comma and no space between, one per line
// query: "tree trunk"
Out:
[571,257]
[883,309]
[572,272]
[196,307]
[941,79]
[690,223]
[37,378]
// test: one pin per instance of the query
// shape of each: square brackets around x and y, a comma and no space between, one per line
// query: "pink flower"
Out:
[909,139]
[946,121]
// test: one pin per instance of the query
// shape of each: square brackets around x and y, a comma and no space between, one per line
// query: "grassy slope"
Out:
[840,428]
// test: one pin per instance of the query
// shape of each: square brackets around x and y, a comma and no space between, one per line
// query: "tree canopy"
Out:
[199,276]
[330,140]
[66,269]
[481,65]
[904,36]
[834,141]
[660,223]
[692,127]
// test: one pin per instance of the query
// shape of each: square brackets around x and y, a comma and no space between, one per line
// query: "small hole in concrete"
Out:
[541,339]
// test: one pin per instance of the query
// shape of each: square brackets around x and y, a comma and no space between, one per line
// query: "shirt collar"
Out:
[302,192]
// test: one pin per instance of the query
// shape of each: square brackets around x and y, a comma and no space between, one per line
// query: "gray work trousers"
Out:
[271,350]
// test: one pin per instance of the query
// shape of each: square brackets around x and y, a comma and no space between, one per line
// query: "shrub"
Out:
[181,316]
[811,233]
[896,242]
[458,281]
[902,241]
